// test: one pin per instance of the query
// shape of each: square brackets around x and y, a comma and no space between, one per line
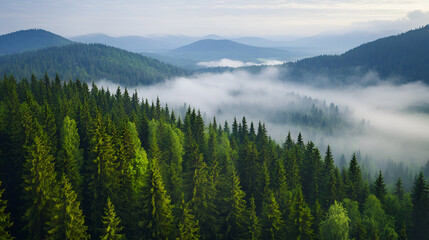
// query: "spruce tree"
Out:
[67,221]
[399,189]
[420,212]
[5,221]
[253,225]
[70,159]
[236,218]
[354,180]
[39,186]
[157,201]
[188,226]
[380,188]
[273,224]
[300,218]
[111,223]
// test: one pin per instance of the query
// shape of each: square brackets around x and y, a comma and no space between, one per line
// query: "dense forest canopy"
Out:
[78,161]
[91,62]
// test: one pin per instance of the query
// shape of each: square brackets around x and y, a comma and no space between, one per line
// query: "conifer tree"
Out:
[102,172]
[300,218]
[273,224]
[380,188]
[188,226]
[67,220]
[157,201]
[39,186]
[236,218]
[70,158]
[5,221]
[420,213]
[399,189]
[111,223]
[254,228]
[202,204]
[354,180]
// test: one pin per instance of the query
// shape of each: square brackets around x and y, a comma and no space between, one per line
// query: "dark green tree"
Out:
[5,221]
[300,218]
[380,188]
[273,224]
[253,225]
[188,226]
[236,218]
[420,213]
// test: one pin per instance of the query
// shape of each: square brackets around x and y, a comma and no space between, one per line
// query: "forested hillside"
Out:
[78,162]
[27,40]
[91,62]
[401,59]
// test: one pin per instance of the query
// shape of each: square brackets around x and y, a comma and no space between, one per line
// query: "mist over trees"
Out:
[79,161]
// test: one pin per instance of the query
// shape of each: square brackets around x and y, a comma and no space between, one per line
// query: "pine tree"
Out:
[354,180]
[420,213]
[5,221]
[399,189]
[39,180]
[254,228]
[236,218]
[300,219]
[273,225]
[67,221]
[111,229]
[70,159]
[380,188]
[188,226]
[157,203]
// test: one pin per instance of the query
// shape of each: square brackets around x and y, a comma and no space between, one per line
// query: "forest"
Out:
[80,162]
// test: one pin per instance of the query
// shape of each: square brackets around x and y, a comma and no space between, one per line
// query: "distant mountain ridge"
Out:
[27,40]
[89,62]
[210,49]
[401,58]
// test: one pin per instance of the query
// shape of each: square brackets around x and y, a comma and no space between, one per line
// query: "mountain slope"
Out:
[209,49]
[136,43]
[403,57]
[27,40]
[89,62]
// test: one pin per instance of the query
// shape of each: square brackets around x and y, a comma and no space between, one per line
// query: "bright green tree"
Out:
[188,226]
[300,218]
[39,186]
[254,228]
[273,224]
[67,221]
[336,224]
[70,157]
[111,229]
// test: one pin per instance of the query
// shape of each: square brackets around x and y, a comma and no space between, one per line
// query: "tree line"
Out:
[80,162]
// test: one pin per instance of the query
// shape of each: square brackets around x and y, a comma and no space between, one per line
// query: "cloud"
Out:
[394,131]
[225,62]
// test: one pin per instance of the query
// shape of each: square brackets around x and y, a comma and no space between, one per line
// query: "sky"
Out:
[201,17]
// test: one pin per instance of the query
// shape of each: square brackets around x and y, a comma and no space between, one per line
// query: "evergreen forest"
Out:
[81,162]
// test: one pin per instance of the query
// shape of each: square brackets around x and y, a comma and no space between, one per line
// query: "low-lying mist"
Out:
[383,121]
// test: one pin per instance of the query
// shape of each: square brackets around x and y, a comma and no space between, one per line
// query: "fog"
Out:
[225,62]
[395,127]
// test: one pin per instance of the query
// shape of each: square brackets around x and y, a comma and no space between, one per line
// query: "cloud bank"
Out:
[225,62]
[395,131]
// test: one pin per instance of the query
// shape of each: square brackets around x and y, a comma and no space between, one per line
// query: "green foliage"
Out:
[300,218]
[273,224]
[111,229]
[188,226]
[91,62]
[420,213]
[336,224]
[40,186]
[377,224]
[67,220]
[5,221]
[380,188]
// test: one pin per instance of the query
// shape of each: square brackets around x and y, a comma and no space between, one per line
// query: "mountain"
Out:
[401,58]
[89,62]
[209,49]
[27,40]
[136,43]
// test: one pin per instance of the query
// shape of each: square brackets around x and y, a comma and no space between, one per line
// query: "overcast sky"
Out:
[200,17]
